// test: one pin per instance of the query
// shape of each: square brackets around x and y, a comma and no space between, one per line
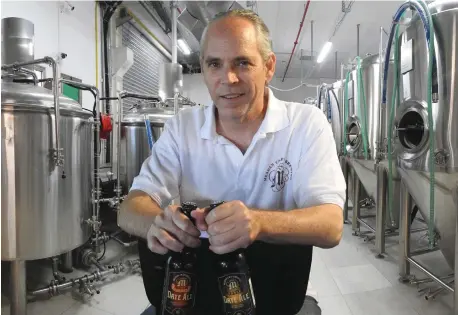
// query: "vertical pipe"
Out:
[382,124]
[55,90]
[357,39]
[311,39]
[118,179]
[66,262]
[302,74]
[18,288]
[356,206]
[173,7]
[380,216]
[342,104]
[335,66]
[404,231]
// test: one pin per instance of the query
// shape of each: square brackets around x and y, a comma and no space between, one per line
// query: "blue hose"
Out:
[396,18]
[329,107]
[149,133]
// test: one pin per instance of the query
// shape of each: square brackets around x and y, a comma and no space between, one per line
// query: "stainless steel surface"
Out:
[134,141]
[371,85]
[444,217]
[67,262]
[170,80]
[345,171]
[37,202]
[381,208]
[173,7]
[17,40]
[96,192]
[430,274]
[413,144]
[404,231]
[18,298]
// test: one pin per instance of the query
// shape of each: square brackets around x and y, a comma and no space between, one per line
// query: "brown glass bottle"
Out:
[180,283]
[234,281]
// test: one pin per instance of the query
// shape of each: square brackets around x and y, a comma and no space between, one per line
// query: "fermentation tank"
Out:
[43,209]
[134,140]
[413,131]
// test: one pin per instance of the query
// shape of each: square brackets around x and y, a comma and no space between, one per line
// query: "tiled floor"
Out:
[346,280]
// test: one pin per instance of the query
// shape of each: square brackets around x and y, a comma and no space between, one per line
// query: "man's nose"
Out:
[230,77]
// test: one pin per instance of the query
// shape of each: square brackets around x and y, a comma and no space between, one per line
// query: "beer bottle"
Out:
[180,283]
[234,281]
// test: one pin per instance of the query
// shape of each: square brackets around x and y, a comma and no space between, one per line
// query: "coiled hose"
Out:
[425,16]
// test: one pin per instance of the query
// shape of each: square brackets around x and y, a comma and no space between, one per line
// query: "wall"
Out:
[70,32]
[194,87]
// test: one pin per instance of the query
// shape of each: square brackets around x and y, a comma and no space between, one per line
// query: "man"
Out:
[273,162]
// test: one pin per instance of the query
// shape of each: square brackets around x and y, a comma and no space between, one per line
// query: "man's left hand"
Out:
[230,226]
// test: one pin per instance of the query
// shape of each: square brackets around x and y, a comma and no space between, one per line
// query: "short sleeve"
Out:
[160,173]
[319,179]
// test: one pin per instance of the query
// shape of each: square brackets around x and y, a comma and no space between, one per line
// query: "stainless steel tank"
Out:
[412,115]
[43,213]
[17,40]
[412,142]
[134,140]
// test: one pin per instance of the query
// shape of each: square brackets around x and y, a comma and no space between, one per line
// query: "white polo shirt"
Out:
[291,162]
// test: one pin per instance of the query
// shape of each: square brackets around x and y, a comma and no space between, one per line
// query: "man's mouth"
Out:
[231,96]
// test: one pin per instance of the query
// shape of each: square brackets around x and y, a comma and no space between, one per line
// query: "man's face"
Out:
[234,70]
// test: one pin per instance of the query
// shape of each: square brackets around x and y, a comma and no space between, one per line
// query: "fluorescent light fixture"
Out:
[184,47]
[324,52]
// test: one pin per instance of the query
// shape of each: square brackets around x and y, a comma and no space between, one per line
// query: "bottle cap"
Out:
[186,208]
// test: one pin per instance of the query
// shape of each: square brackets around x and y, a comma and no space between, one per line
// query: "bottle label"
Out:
[179,293]
[237,294]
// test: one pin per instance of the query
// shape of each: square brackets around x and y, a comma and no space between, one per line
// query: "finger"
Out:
[183,223]
[227,248]
[155,246]
[219,213]
[169,225]
[221,227]
[199,215]
[225,238]
[168,241]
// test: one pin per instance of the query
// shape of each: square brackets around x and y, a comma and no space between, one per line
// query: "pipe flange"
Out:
[87,257]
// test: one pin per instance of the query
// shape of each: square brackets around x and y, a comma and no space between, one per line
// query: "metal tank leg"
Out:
[18,297]
[356,205]
[380,216]
[456,256]
[344,166]
[404,233]
[66,262]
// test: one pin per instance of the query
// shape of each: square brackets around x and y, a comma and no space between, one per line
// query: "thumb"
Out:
[199,215]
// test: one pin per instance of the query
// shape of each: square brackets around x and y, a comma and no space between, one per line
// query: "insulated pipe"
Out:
[297,37]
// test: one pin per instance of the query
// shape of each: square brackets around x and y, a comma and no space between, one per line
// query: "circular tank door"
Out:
[353,135]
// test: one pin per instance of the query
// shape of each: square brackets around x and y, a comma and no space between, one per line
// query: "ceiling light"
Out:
[184,47]
[324,52]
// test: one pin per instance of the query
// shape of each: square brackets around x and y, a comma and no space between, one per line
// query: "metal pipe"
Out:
[297,38]
[428,280]
[423,251]
[433,294]
[118,164]
[357,39]
[66,262]
[18,296]
[97,264]
[173,7]
[366,225]
[133,243]
[95,179]
[56,289]
[404,231]
[148,97]
[29,72]
[336,66]
[379,148]
[382,181]
[430,274]
[455,308]
[311,39]
[344,165]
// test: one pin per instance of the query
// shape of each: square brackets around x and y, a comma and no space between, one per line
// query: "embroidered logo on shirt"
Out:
[278,174]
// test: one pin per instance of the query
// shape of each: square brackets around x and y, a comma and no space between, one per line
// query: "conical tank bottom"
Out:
[445,209]
[367,175]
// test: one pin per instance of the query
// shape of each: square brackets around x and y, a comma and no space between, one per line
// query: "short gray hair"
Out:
[264,40]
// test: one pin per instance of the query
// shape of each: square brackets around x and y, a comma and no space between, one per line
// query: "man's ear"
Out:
[270,67]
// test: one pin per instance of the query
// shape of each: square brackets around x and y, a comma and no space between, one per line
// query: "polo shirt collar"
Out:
[276,119]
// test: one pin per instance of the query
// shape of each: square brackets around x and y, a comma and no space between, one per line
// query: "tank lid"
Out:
[29,95]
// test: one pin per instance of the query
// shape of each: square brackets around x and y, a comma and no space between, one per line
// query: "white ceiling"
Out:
[283,18]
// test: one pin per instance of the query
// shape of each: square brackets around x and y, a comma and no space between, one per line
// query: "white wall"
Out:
[194,87]
[71,32]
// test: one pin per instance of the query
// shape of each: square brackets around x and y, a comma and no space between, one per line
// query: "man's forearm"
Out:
[319,226]
[137,213]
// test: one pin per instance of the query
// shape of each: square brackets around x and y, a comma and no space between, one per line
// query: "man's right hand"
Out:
[172,230]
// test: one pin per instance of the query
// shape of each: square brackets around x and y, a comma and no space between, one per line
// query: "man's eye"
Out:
[213,65]
[244,63]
